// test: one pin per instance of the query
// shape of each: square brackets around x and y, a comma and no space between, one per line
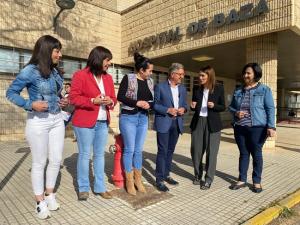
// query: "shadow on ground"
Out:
[297,149]
[149,171]
[137,202]
[70,164]
[152,196]
[10,174]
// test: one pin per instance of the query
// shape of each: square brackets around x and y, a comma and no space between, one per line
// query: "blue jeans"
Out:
[133,129]
[250,140]
[86,137]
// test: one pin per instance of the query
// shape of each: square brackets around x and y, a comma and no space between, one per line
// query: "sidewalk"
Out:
[185,204]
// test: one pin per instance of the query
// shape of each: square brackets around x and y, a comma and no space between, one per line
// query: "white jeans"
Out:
[45,133]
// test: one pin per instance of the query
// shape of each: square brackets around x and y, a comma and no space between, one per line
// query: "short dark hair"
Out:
[256,69]
[141,62]
[68,84]
[95,59]
[42,54]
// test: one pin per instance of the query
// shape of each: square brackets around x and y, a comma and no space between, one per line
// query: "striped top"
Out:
[245,107]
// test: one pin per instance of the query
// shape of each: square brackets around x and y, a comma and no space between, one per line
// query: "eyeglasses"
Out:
[180,74]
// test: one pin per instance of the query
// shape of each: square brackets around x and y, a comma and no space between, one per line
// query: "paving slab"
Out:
[186,203]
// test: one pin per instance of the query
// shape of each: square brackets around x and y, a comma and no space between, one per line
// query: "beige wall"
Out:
[12,117]
[115,5]
[124,4]
[107,4]
[296,13]
[156,16]
[83,27]
[264,50]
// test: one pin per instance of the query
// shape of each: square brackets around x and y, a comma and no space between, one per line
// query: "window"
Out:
[220,82]
[24,59]
[82,64]
[13,60]
[187,82]
[162,77]
[195,81]
[70,67]
[9,61]
[118,72]
[155,77]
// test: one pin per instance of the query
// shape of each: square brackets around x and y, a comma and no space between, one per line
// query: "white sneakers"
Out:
[42,210]
[44,207]
[51,202]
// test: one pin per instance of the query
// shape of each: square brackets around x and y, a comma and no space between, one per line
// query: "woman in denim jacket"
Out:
[44,127]
[253,113]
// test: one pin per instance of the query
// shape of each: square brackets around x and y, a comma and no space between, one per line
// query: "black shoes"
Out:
[171,181]
[162,187]
[256,189]
[205,186]
[196,181]
[237,186]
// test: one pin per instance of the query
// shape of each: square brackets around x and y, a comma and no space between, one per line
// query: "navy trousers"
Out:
[166,143]
[250,140]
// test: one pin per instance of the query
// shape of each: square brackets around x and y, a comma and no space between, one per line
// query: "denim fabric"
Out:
[38,88]
[133,129]
[87,137]
[262,107]
[250,140]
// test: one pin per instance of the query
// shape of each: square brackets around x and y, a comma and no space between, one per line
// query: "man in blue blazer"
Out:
[170,105]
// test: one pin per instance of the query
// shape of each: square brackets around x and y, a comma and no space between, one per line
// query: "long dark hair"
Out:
[141,62]
[95,60]
[211,82]
[42,54]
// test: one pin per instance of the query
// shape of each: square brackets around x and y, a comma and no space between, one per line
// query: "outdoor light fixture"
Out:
[295,92]
[63,4]
[202,58]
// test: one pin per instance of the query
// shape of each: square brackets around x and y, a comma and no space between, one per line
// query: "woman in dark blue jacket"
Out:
[253,113]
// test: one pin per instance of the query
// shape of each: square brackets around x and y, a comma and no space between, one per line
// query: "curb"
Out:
[273,212]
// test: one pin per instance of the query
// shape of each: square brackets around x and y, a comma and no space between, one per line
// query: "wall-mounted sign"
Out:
[245,12]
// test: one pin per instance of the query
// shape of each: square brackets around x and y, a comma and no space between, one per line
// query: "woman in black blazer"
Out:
[207,102]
